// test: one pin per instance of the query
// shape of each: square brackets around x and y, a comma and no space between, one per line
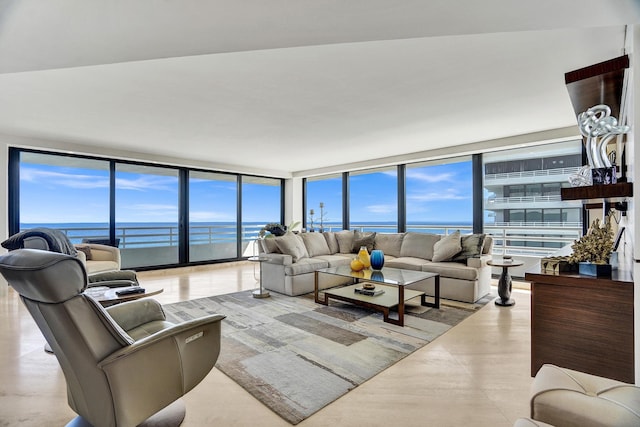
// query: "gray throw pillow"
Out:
[447,247]
[389,243]
[292,244]
[471,247]
[345,241]
[332,242]
[366,239]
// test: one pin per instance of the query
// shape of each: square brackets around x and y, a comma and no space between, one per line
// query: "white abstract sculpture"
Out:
[599,127]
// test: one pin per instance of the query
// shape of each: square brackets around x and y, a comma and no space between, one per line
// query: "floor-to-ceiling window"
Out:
[523,208]
[373,200]
[261,204]
[147,207]
[213,216]
[439,196]
[62,192]
[157,215]
[324,203]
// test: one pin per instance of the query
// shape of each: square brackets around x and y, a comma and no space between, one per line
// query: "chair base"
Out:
[171,416]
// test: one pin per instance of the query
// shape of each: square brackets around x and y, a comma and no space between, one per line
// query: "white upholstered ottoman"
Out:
[567,398]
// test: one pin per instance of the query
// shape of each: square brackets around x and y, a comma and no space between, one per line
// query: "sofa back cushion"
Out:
[389,243]
[292,244]
[316,244]
[447,248]
[345,241]
[472,245]
[419,245]
[332,242]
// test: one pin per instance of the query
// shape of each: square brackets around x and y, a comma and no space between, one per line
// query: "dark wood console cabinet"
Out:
[583,323]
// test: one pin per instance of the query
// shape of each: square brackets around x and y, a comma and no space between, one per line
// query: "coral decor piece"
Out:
[595,246]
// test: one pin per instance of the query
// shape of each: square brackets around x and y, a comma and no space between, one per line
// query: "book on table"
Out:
[369,292]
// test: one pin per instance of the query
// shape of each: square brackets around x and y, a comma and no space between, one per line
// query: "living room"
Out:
[403,86]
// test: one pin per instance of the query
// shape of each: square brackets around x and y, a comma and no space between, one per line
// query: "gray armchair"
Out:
[123,364]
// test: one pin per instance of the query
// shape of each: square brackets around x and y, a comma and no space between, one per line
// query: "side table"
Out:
[259,293]
[504,283]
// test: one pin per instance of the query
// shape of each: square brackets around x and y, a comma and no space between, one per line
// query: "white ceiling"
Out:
[294,86]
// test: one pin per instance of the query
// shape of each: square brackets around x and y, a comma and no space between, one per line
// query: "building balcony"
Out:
[552,201]
[528,177]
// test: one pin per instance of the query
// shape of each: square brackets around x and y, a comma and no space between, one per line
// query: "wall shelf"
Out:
[620,189]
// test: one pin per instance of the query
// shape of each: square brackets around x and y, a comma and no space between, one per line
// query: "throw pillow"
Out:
[291,244]
[471,247]
[447,247]
[363,239]
[269,245]
[316,244]
[86,249]
[345,241]
[332,242]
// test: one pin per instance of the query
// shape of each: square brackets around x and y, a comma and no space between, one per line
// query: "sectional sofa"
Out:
[289,261]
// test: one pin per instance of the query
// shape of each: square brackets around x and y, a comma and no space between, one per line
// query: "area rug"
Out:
[296,356]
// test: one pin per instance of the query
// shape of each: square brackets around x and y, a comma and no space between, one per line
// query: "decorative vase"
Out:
[363,256]
[377,259]
[377,276]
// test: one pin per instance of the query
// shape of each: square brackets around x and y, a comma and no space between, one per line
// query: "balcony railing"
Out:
[531,174]
[524,199]
[536,239]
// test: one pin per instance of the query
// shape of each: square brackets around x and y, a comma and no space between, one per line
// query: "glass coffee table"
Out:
[394,282]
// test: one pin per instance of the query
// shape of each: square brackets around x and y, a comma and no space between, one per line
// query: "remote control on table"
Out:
[130,291]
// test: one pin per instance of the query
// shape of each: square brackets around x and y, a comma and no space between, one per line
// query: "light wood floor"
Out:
[477,374]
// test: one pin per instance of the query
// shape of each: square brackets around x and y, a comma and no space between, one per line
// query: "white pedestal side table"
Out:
[259,293]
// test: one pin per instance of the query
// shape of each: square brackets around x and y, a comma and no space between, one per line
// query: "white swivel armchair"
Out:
[124,365]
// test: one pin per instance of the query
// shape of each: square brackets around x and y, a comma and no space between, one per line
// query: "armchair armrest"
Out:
[168,363]
[132,314]
[478,262]
[280,259]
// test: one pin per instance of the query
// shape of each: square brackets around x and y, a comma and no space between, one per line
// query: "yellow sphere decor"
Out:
[356,264]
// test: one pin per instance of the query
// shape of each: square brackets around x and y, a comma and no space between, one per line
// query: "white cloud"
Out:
[430,178]
[381,209]
[147,182]
[448,194]
[75,181]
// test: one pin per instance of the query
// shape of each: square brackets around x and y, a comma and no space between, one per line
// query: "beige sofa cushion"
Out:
[453,270]
[305,265]
[316,244]
[336,260]
[345,241]
[332,242]
[419,245]
[292,244]
[447,247]
[389,243]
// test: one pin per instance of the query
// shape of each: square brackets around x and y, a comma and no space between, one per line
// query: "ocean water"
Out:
[141,234]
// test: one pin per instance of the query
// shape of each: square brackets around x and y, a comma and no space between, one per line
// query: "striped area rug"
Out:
[297,356]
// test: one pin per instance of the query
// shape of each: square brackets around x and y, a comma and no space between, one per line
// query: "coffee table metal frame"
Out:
[391,279]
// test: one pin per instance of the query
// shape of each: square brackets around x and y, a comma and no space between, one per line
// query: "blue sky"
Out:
[437,193]
[59,194]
